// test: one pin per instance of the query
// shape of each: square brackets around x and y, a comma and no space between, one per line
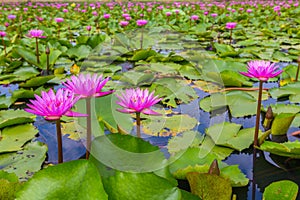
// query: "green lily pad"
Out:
[13,117]
[287,149]
[13,138]
[137,78]
[86,184]
[290,90]
[229,135]
[240,103]
[37,81]
[182,142]
[126,153]
[6,102]
[136,186]
[173,91]
[143,54]
[79,52]
[281,190]
[165,126]
[24,162]
[188,196]
[25,73]
[208,186]
[9,185]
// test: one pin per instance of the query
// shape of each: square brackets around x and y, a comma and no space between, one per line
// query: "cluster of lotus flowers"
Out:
[53,106]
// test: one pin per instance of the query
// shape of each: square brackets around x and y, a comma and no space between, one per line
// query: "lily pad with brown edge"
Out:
[286,149]
[231,135]
[209,186]
[168,125]
[281,190]
[13,117]
[13,138]
[24,162]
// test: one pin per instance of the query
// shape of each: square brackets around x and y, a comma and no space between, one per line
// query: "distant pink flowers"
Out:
[194,17]
[231,25]
[2,34]
[106,16]
[53,106]
[214,15]
[137,101]
[59,19]
[141,22]
[88,28]
[262,70]
[11,17]
[36,33]
[124,23]
[87,85]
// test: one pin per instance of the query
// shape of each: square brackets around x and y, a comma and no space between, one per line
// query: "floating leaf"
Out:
[24,162]
[6,102]
[9,185]
[136,186]
[13,117]
[290,90]
[37,81]
[81,178]
[229,135]
[281,190]
[182,142]
[137,78]
[208,186]
[13,138]
[287,149]
[127,153]
[165,125]
[143,54]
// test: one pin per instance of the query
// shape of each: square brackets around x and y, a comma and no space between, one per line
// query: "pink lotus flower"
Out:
[214,15]
[65,10]
[277,8]
[137,101]
[231,25]
[59,19]
[87,85]
[249,10]
[141,22]
[6,24]
[11,17]
[262,70]
[168,14]
[124,23]
[54,106]
[194,17]
[106,16]
[35,33]
[95,13]
[88,28]
[2,34]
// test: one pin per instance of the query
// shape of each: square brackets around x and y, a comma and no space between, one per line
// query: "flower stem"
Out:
[258,114]
[142,38]
[297,74]
[4,46]
[230,36]
[37,50]
[88,127]
[59,142]
[138,124]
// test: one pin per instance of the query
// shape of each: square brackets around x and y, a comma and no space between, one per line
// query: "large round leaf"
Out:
[137,186]
[281,190]
[72,180]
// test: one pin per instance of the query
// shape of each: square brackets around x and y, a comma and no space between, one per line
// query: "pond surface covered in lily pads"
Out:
[186,55]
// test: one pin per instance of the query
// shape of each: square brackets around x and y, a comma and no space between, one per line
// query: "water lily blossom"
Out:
[36,33]
[59,19]
[262,70]
[53,106]
[87,86]
[141,22]
[137,100]
[231,25]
